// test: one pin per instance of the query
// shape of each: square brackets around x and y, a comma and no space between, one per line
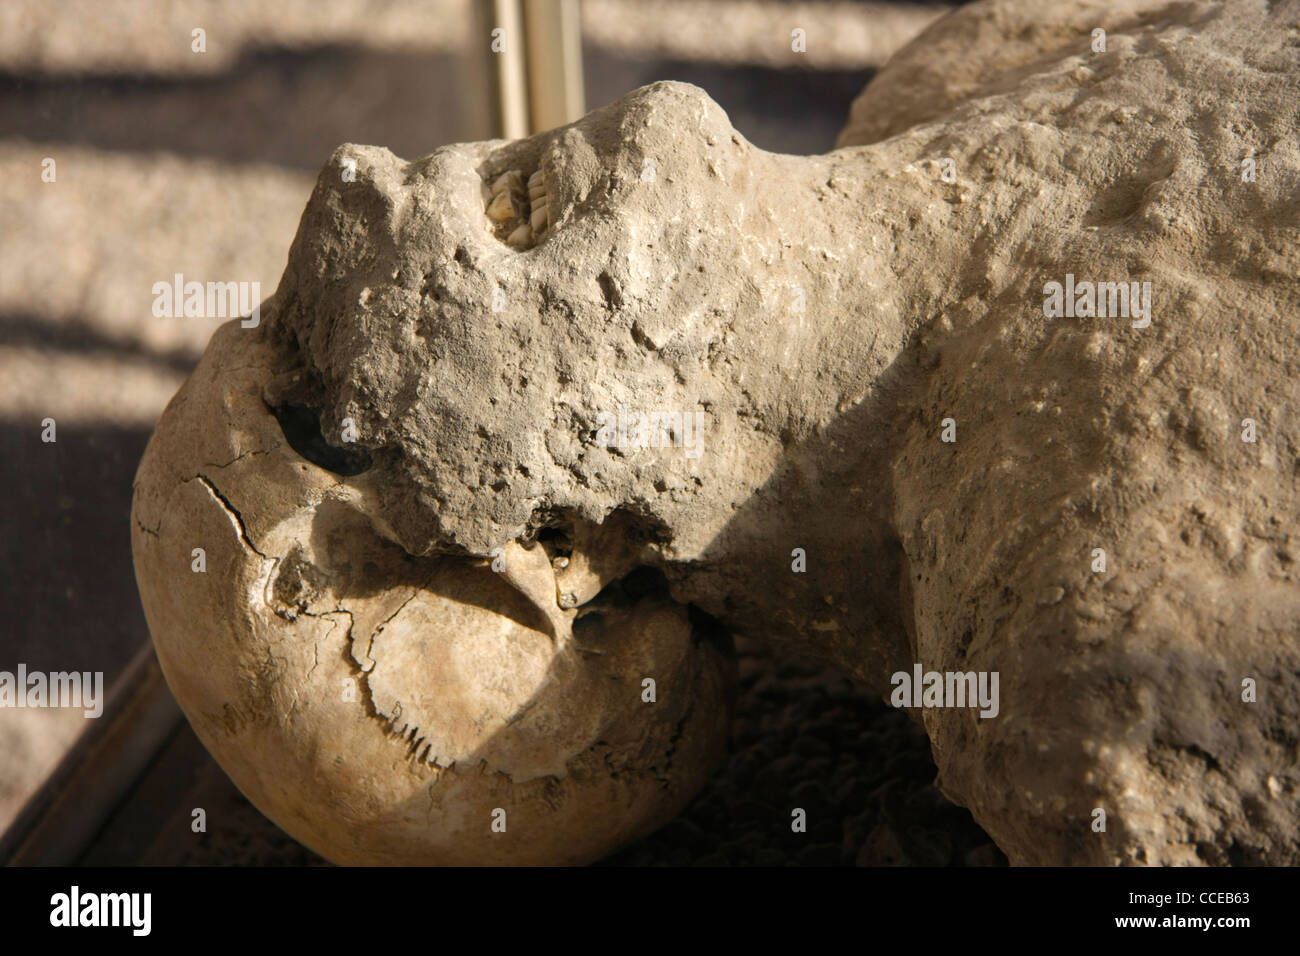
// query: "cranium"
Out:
[400,477]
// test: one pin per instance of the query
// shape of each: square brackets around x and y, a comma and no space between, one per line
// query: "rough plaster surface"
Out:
[473,375]
[1120,690]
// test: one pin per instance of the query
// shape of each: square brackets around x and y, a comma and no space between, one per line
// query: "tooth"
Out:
[535,179]
[502,207]
[503,181]
[537,193]
[521,238]
[538,220]
[516,180]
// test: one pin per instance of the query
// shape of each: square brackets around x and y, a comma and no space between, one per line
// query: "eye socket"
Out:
[301,428]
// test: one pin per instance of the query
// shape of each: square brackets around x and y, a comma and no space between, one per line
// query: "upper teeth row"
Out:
[509,202]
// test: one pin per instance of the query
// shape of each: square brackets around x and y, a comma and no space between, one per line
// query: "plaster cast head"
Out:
[474,368]
[683,283]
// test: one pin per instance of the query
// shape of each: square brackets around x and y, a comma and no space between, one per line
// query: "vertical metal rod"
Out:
[554,34]
[534,57]
[508,51]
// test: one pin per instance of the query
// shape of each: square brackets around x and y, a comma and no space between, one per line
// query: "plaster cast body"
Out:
[826,314]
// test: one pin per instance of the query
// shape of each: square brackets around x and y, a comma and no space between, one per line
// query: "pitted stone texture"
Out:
[1121,690]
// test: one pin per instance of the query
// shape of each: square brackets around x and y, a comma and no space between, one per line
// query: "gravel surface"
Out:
[804,737]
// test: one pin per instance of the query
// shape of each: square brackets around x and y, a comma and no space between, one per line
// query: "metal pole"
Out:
[534,55]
